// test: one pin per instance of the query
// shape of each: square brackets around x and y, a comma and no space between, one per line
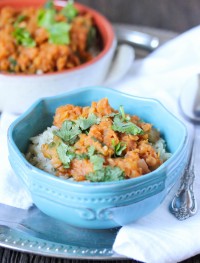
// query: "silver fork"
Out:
[184,204]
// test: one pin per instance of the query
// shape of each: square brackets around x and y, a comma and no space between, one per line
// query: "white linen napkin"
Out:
[158,237]
[11,190]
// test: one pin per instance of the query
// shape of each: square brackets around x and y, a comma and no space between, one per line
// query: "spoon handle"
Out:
[184,204]
[196,107]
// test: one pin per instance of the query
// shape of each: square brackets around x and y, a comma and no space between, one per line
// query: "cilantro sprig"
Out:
[65,154]
[122,123]
[21,34]
[23,37]
[118,148]
[69,132]
[103,173]
[86,123]
[69,11]
[58,31]
[106,174]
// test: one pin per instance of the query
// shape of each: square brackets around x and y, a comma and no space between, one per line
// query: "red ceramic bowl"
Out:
[25,89]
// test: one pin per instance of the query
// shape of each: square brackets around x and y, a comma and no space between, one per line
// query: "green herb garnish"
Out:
[126,127]
[91,150]
[91,36]
[122,124]
[106,174]
[82,156]
[123,115]
[118,148]
[58,31]
[12,61]
[23,37]
[19,20]
[86,123]
[97,162]
[65,154]
[49,4]
[69,11]
[69,132]
[46,18]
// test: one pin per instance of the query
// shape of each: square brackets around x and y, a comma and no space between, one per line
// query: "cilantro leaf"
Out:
[97,162]
[23,37]
[106,174]
[123,115]
[59,33]
[49,4]
[91,150]
[126,127]
[113,174]
[64,154]
[68,132]
[70,11]
[12,61]
[86,123]
[113,114]
[19,20]
[119,148]
[82,156]
[97,176]
[91,36]
[46,18]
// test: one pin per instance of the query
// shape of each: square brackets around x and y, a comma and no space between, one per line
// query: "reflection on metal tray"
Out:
[34,232]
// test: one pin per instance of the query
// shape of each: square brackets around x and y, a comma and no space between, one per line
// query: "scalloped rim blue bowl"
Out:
[83,96]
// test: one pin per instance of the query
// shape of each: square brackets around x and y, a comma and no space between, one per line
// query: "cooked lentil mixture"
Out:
[36,41]
[97,143]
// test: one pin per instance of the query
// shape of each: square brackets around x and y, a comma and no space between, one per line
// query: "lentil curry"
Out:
[36,41]
[98,144]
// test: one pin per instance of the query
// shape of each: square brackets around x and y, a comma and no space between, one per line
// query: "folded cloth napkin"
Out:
[11,190]
[158,237]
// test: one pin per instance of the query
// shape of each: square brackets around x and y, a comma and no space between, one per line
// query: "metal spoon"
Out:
[184,204]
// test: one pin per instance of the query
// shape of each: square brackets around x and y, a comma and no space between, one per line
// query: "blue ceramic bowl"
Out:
[97,205]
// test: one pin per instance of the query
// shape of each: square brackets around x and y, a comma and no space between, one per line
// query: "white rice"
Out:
[160,147]
[35,156]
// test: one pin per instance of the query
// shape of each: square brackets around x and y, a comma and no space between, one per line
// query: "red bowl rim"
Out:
[102,23]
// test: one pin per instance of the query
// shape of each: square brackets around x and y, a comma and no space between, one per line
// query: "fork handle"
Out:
[184,204]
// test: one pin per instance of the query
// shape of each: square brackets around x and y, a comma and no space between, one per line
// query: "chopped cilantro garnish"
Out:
[23,37]
[46,18]
[82,156]
[12,61]
[113,114]
[86,123]
[49,4]
[65,155]
[91,151]
[19,20]
[58,31]
[69,11]
[97,162]
[106,174]
[68,132]
[126,127]
[123,115]
[91,36]
[119,148]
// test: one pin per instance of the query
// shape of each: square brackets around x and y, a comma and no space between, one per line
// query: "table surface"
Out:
[11,256]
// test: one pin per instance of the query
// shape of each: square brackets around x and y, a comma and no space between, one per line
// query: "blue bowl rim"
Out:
[88,184]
